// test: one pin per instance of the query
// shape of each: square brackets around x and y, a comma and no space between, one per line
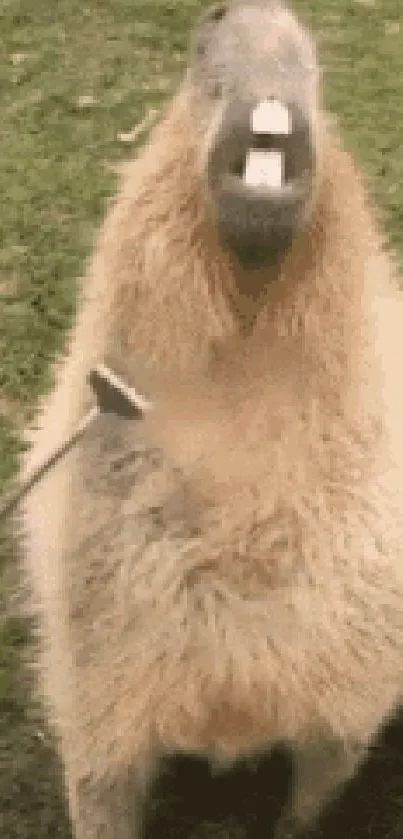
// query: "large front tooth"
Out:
[271,117]
[264,168]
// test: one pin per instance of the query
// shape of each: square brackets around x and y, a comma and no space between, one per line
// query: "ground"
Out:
[75,81]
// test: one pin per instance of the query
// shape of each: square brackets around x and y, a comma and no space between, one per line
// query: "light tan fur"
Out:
[244,587]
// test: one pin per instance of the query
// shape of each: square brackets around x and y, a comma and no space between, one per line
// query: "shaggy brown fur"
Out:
[243,588]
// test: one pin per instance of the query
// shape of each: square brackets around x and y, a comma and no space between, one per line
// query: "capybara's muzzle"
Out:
[260,174]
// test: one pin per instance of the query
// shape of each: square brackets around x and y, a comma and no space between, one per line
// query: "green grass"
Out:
[74,77]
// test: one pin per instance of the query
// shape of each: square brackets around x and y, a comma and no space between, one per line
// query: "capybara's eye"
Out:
[218,12]
[214,15]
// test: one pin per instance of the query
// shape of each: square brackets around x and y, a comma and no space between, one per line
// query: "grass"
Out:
[74,80]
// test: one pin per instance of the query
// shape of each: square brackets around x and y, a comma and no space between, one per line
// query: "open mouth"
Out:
[261,172]
[270,155]
[266,163]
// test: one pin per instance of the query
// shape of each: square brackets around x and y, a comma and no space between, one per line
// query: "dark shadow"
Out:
[188,801]
[371,804]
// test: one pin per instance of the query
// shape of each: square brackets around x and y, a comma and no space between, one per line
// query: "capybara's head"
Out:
[254,73]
